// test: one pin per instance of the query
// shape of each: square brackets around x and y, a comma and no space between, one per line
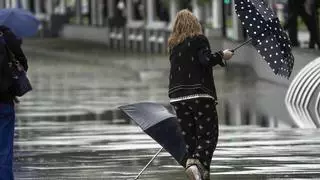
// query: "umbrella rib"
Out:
[149,163]
[5,19]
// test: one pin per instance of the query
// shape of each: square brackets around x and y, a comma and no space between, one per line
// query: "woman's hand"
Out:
[227,54]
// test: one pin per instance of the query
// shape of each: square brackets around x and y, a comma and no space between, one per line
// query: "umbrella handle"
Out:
[233,50]
[148,163]
[248,41]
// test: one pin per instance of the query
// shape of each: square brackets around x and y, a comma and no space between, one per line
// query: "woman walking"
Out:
[192,91]
[8,41]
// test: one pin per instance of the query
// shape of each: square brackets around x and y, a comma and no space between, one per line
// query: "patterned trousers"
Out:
[199,124]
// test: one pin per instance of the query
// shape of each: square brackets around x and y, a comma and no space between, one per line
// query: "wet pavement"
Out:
[99,150]
[69,126]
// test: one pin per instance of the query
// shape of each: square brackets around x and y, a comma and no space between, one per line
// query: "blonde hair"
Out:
[185,25]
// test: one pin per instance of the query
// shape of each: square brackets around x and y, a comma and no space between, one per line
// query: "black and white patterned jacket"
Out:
[191,68]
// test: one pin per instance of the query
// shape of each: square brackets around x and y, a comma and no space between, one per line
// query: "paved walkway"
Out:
[69,128]
[84,149]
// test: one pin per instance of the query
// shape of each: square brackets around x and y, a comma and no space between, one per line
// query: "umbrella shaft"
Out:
[149,163]
[248,41]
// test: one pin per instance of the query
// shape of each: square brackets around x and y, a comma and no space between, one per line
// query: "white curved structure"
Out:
[303,96]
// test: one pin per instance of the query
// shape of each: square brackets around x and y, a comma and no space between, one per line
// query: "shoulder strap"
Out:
[11,56]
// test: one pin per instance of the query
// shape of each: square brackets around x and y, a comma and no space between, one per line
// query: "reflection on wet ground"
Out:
[70,128]
[100,150]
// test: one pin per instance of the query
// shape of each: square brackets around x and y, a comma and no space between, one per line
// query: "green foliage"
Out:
[166,3]
[203,2]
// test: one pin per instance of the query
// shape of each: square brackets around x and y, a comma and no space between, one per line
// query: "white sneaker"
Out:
[193,173]
[204,174]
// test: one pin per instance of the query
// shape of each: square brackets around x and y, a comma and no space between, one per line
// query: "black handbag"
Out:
[20,81]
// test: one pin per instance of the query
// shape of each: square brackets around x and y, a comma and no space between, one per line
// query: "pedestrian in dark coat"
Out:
[311,9]
[7,113]
[192,91]
[306,9]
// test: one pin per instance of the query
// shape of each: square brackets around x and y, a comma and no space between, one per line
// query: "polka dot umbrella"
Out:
[267,35]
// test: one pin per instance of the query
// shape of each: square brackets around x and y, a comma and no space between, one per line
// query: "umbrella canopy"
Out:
[21,22]
[268,37]
[156,121]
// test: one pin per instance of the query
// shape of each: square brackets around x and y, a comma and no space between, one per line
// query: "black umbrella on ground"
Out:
[156,121]
[267,35]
